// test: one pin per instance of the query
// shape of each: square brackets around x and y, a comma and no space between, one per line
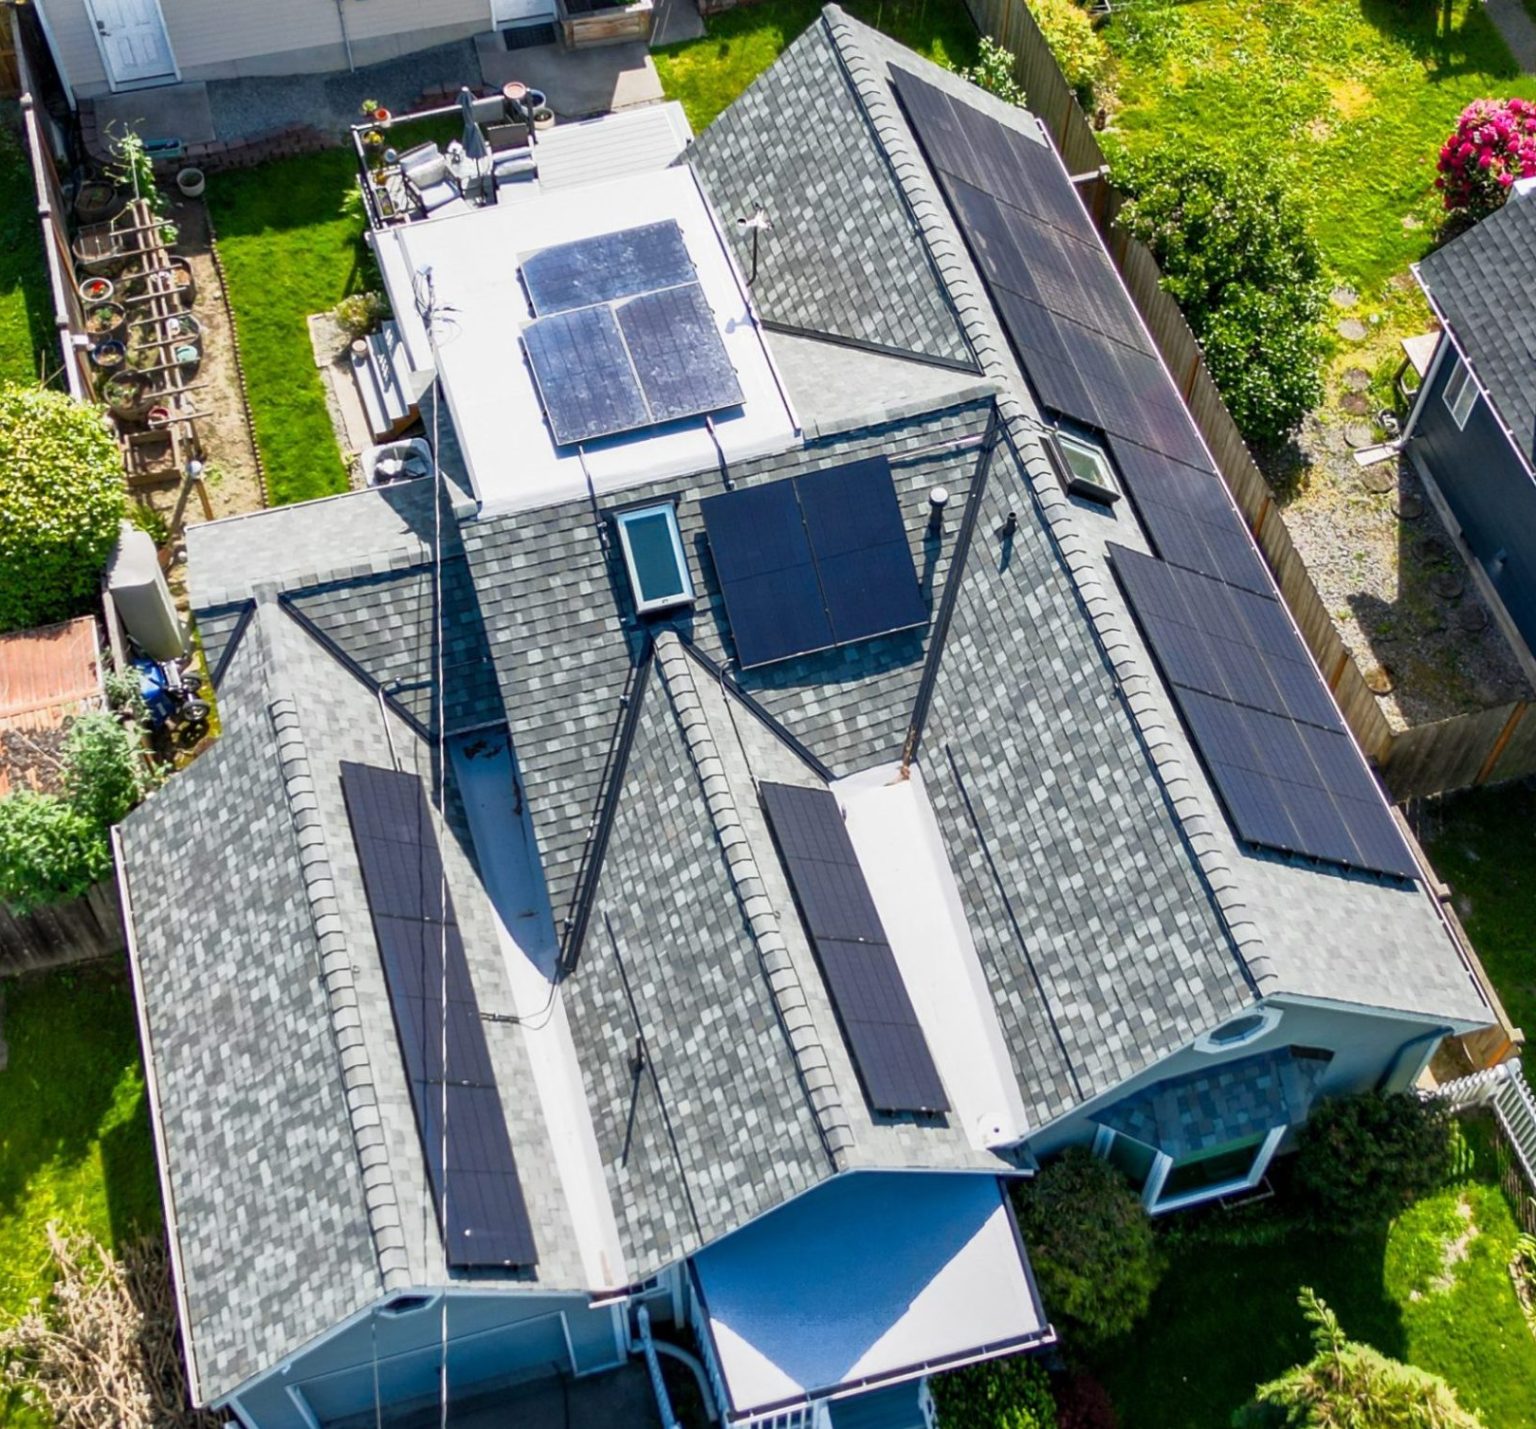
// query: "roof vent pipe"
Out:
[938,499]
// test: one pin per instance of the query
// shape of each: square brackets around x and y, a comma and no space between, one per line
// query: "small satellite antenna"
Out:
[755,223]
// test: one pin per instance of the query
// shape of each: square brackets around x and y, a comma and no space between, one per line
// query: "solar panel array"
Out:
[1266,727]
[1267,730]
[476,1187]
[624,337]
[881,1029]
[813,562]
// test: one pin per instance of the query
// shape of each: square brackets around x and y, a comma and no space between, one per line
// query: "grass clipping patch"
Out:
[102,1350]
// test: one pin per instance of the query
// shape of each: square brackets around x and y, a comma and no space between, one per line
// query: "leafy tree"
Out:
[998,1394]
[1351,1386]
[1247,274]
[1361,1159]
[49,851]
[61,498]
[1090,1242]
[1492,145]
[993,72]
[1078,47]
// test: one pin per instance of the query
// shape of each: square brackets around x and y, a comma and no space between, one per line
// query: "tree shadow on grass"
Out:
[1225,1319]
[1431,33]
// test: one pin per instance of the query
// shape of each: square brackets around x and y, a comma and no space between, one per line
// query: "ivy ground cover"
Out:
[1349,99]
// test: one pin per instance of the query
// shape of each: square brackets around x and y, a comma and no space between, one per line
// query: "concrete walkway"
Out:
[1519,31]
[578,83]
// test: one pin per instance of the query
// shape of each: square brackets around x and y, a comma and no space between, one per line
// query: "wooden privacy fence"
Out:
[75,932]
[1468,749]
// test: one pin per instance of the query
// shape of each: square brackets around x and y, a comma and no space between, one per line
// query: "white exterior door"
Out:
[510,12]
[133,42]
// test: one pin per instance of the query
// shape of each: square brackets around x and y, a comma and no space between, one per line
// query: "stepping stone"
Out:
[1344,296]
[1352,329]
[1408,506]
[1357,404]
[1431,550]
[1358,434]
[1357,379]
[1412,222]
[1379,479]
[1450,584]
[1378,680]
[1471,616]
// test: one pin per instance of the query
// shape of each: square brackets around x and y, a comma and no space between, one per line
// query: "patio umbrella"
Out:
[475,147]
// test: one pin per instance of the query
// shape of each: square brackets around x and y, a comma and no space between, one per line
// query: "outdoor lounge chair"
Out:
[511,154]
[426,175]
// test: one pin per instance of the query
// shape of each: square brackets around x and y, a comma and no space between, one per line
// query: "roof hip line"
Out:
[677,677]
[341,996]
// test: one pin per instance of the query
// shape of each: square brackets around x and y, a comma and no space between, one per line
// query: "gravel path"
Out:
[1400,594]
[244,107]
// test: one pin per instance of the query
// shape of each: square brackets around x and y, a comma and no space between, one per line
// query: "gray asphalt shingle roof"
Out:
[843,254]
[1481,282]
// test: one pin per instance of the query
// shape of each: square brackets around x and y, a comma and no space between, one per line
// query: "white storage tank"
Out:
[143,600]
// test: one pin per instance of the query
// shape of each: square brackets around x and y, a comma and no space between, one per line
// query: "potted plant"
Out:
[108,354]
[95,289]
[191,181]
[543,117]
[105,320]
[96,201]
[373,138]
[127,396]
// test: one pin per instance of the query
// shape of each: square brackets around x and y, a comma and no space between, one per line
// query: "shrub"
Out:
[1090,1242]
[999,1394]
[103,773]
[993,72]
[49,851]
[1361,1159]
[360,313]
[1080,51]
[1247,274]
[1083,1403]
[1492,145]
[1345,1383]
[61,498]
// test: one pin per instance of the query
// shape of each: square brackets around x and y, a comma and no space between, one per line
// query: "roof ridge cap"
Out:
[383,1207]
[783,980]
[928,207]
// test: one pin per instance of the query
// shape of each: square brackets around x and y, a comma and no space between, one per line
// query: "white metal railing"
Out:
[653,1367]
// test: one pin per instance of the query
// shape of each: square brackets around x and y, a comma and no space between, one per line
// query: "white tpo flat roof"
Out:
[512,459]
[873,1277]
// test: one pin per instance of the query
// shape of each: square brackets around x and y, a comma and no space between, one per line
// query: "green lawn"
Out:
[1483,843]
[26,308]
[706,75]
[1350,98]
[289,250]
[75,1143]
[1425,1291]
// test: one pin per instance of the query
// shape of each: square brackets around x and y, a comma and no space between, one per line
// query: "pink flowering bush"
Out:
[1493,145]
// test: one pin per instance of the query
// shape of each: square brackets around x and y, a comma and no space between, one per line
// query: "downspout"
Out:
[346,39]
[658,1385]
[1385,1080]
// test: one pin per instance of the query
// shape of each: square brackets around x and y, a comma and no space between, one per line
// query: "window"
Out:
[1083,468]
[1213,1171]
[653,555]
[1460,393]
[1239,1031]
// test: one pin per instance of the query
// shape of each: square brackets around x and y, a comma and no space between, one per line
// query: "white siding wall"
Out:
[223,39]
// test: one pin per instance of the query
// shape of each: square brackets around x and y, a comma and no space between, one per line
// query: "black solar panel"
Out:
[677,353]
[1073,327]
[813,562]
[1265,727]
[477,1189]
[586,382]
[859,543]
[611,265]
[885,1039]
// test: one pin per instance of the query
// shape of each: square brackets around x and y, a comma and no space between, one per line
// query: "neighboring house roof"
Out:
[47,677]
[1113,914]
[1481,283]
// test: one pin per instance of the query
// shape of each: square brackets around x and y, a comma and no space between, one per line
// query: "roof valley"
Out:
[783,981]
[336,976]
